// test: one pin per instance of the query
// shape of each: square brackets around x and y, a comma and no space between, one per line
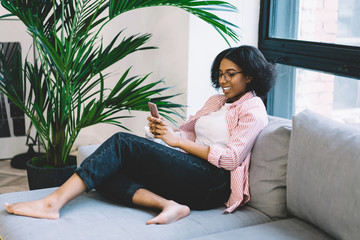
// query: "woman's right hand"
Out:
[161,130]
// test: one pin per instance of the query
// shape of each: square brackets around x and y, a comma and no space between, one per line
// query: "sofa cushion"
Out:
[323,176]
[268,168]
[90,216]
[278,230]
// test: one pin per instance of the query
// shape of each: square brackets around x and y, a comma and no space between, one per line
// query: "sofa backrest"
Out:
[267,174]
[323,177]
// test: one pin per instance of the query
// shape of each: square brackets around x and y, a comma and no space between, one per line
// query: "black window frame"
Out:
[337,59]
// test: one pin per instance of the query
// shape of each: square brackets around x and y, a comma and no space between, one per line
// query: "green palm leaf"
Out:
[57,91]
[198,8]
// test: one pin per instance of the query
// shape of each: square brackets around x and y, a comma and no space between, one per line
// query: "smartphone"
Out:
[153,110]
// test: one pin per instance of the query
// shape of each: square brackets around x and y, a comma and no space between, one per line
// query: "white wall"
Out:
[169,29]
[187,47]
[205,43]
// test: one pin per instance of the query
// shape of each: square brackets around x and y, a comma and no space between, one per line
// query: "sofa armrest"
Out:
[84,152]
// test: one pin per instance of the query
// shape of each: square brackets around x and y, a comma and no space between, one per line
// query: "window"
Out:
[12,120]
[316,45]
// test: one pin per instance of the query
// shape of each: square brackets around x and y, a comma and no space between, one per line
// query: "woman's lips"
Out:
[226,89]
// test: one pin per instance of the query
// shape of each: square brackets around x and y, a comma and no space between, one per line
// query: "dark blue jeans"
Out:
[125,163]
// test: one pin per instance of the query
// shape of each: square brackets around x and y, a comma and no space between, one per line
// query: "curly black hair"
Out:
[253,64]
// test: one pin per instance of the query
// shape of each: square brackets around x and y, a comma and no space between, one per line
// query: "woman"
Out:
[211,168]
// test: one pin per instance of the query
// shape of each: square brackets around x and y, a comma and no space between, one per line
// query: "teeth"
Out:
[226,88]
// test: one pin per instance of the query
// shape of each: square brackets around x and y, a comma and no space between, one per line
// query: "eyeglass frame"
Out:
[229,75]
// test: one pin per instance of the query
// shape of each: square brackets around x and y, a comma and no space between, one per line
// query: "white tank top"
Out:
[212,128]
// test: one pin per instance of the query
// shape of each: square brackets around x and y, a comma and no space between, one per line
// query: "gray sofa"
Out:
[304,184]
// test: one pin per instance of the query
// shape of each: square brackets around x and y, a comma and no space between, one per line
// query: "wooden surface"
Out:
[12,179]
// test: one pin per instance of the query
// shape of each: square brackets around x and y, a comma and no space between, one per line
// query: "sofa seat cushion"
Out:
[286,229]
[89,216]
[323,175]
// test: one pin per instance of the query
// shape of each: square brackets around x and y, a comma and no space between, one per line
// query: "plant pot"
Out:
[39,177]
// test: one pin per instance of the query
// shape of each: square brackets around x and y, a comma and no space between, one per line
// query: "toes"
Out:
[152,221]
[8,208]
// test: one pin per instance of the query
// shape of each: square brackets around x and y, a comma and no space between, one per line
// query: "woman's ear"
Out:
[248,79]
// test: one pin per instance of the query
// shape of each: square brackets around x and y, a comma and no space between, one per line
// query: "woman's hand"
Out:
[161,130]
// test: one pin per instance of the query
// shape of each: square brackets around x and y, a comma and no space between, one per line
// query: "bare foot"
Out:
[171,213]
[36,209]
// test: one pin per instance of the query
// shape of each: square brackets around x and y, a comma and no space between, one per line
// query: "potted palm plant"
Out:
[57,90]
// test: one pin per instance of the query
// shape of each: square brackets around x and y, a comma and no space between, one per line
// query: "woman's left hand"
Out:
[161,130]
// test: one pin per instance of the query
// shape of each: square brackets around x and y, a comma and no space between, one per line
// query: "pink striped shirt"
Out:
[245,119]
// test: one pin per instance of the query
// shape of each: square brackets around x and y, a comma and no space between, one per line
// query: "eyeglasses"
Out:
[227,76]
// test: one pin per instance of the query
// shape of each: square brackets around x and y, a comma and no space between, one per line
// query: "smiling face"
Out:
[235,88]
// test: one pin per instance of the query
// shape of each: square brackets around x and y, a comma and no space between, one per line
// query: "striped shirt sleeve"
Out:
[245,119]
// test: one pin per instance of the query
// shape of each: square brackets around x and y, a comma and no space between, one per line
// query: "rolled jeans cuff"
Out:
[130,194]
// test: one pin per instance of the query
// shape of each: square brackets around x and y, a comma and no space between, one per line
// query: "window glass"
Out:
[333,96]
[326,21]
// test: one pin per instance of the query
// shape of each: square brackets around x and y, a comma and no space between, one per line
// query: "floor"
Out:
[12,179]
